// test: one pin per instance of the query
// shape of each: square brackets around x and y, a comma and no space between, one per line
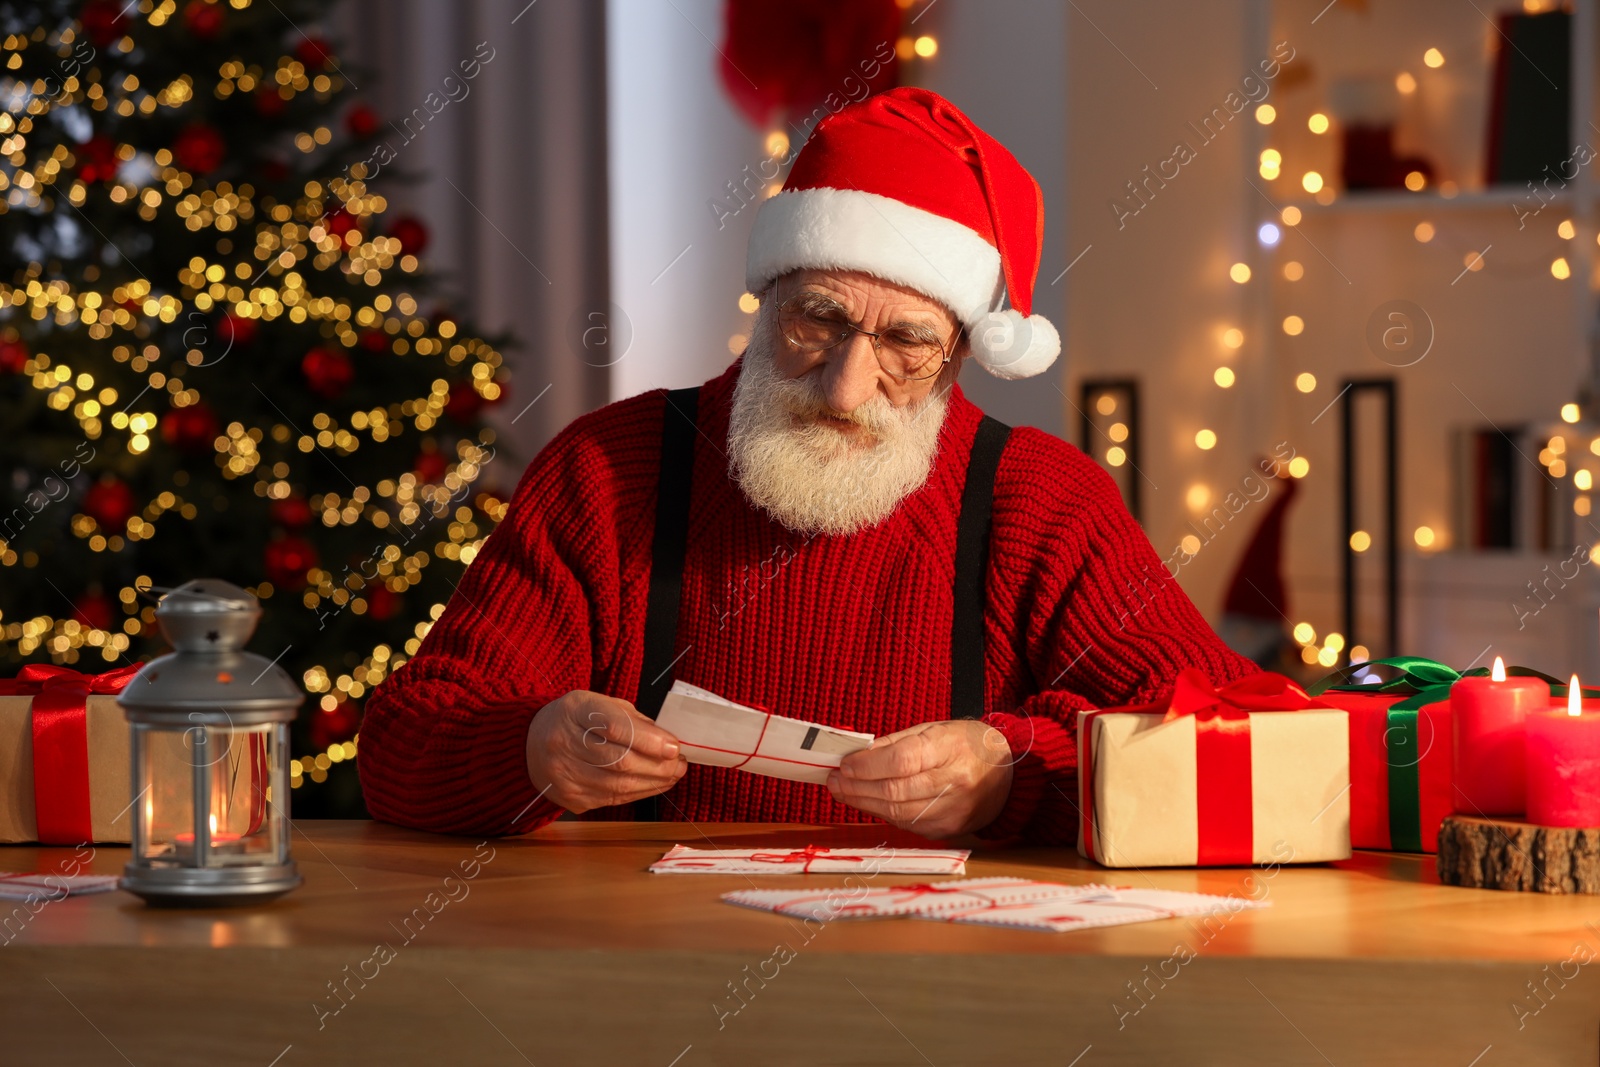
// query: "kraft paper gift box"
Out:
[1257,772]
[80,757]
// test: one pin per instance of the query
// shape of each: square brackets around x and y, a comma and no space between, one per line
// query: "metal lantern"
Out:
[210,747]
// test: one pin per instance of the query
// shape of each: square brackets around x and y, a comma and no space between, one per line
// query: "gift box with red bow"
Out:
[64,757]
[1255,772]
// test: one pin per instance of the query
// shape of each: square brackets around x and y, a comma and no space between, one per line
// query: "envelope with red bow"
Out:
[64,756]
[1257,772]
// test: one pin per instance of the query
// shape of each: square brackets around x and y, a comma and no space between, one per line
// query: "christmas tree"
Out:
[213,356]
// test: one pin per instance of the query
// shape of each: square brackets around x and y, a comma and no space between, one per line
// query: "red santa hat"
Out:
[906,188]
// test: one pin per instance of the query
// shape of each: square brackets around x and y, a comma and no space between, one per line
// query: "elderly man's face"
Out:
[851,373]
[830,441]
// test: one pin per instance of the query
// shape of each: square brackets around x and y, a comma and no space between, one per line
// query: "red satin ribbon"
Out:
[60,723]
[1223,798]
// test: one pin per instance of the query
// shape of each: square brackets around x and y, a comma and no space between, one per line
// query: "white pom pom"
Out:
[1008,345]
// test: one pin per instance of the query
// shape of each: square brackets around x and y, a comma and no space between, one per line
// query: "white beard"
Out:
[811,477]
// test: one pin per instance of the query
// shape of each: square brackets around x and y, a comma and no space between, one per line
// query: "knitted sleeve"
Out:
[443,741]
[1098,616]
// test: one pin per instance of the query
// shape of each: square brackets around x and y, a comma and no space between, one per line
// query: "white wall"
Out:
[675,140]
[1151,296]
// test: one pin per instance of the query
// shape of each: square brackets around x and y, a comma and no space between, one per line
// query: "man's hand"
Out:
[587,750]
[938,779]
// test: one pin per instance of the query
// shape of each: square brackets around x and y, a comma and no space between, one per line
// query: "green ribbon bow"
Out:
[1423,681]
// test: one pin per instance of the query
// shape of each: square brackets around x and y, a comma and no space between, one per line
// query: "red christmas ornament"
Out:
[431,466]
[201,19]
[13,357]
[292,512]
[97,159]
[236,330]
[110,503]
[104,21]
[464,403]
[340,222]
[805,54]
[94,610]
[362,121]
[381,604]
[330,728]
[313,52]
[269,104]
[412,233]
[375,341]
[328,372]
[190,429]
[286,561]
[199,148]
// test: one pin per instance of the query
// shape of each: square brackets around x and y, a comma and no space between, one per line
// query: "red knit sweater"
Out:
[851,631]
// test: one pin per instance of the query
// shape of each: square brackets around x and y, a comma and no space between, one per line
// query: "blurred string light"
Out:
[1433,58]
[1317,123]
[1406,82]
[1265,114]
[1239,272]
[1268,234]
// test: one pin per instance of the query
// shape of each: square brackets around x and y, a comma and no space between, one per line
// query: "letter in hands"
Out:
[587,750]
[937,779]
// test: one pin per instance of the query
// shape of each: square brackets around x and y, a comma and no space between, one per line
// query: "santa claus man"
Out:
[829,529]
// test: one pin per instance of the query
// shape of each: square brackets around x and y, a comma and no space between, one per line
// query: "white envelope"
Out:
[719,733]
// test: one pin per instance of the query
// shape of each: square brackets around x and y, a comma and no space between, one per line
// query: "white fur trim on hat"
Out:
[848,229]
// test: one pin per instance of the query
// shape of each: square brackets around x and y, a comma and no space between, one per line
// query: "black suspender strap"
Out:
[972,558]
[667,552]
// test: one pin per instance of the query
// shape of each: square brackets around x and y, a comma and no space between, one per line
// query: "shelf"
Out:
[1397,202]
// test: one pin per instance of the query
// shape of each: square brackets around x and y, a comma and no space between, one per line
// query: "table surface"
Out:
[585,885]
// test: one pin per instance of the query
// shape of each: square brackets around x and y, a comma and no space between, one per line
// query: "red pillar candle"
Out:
[1564,764]
[1487,718]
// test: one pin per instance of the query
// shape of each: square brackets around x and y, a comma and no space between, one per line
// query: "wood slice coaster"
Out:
[1511,854]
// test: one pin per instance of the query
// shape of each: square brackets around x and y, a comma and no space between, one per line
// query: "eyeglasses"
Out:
[812,322]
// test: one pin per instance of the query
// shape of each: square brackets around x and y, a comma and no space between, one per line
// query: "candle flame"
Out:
[1499,672]
[214,814]
[1574,697]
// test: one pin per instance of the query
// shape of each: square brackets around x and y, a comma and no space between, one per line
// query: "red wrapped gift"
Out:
[1401,768]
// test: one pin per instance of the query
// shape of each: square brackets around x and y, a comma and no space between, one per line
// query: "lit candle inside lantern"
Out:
[1487,720]
[1564,764]
[222,839]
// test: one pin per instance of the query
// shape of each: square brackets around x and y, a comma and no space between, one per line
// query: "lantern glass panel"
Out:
[234,768]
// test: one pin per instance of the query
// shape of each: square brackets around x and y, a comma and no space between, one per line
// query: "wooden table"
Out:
[559,948]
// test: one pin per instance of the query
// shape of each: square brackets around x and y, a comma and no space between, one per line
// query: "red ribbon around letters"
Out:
[1223,798]
[804,857]
[61,744]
